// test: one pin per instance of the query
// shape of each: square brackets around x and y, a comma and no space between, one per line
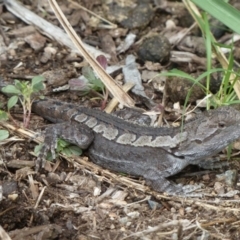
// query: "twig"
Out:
[112,86]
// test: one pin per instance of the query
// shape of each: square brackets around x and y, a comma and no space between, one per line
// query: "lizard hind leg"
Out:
[212,163]
[164,185]
[74,133]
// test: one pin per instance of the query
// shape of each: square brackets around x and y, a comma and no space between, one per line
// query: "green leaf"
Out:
[3,116]
[62,144]
[50,157]
[67,151]
[4,134]
[21,85]
[12,102]
[37,149]
[62,147]
[38,87]
[205,74]
[37,83]
[222,11]
[95,82]
[37,80]
[72,150]
[88,73]
[11,89]
[75,150]
[177,73]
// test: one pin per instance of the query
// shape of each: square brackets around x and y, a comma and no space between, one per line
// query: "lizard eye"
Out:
[221,124]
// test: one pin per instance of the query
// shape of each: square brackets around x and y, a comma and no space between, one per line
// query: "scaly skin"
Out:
[153,153]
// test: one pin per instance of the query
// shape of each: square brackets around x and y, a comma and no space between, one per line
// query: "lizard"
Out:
[154,153]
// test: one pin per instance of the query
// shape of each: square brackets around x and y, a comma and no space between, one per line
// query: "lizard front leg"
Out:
[75,133]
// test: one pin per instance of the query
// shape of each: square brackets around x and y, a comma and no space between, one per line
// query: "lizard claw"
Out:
[191,188]
[188,190]
[172,189]
[50,144]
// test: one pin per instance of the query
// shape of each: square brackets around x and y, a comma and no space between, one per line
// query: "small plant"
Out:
[23,91]
[90,81]
[94,82]
[226,94]
[62,147]
[222,11]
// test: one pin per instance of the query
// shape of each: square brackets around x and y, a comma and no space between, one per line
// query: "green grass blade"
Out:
[222,11]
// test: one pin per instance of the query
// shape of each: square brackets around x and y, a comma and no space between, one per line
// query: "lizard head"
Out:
[209,133]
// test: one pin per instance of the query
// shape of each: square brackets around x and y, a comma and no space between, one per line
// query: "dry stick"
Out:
[236,223]
[178,56]
[7,210]
[160,117]
[107,176]
[113,103]
[185,34]
[26,233]
[39,197]
[3,234]
[174,223]
[218,221]
[113,87]
[216,208]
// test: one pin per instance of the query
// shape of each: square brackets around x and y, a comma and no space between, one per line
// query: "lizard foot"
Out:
[74,133]
[50,144]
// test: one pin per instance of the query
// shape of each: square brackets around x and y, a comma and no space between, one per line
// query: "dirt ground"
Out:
[73,198]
